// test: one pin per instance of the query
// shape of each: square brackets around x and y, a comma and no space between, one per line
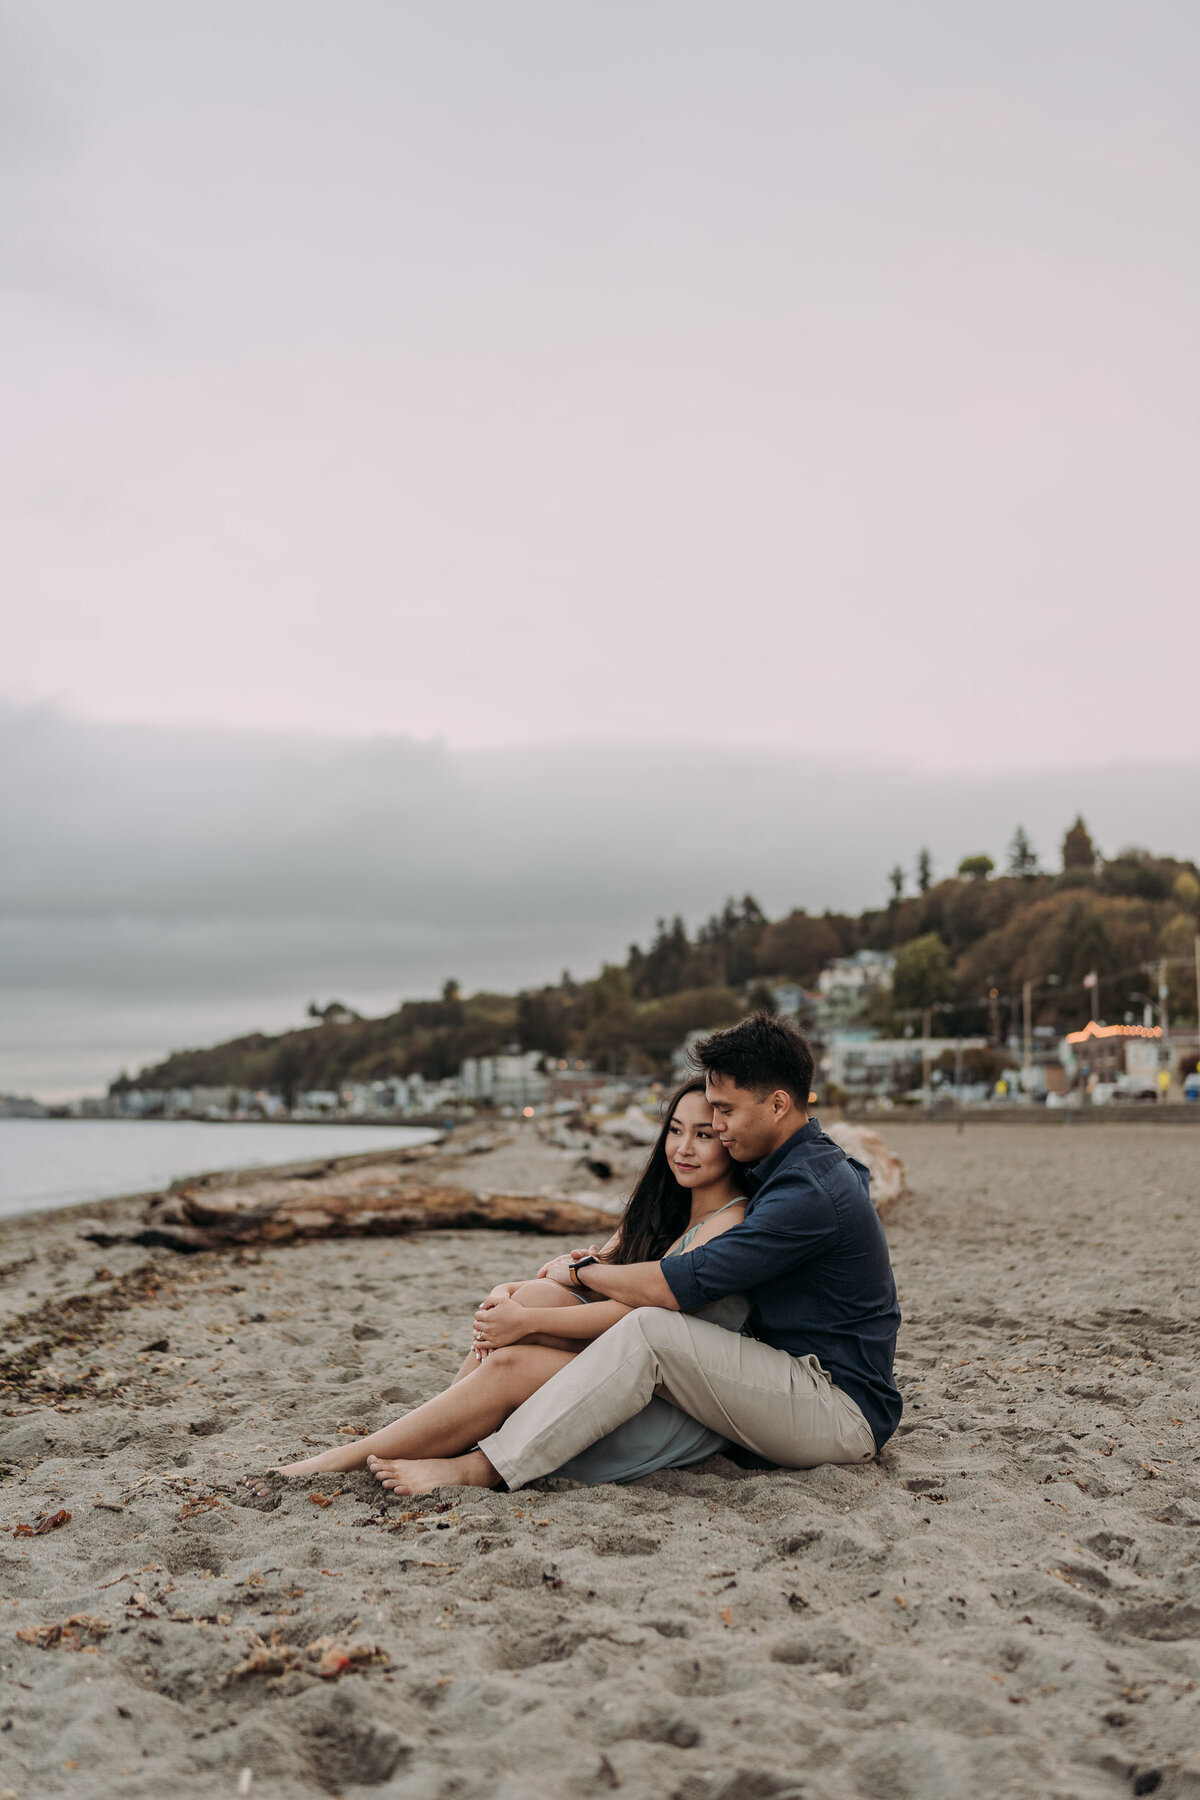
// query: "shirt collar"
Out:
[762,1171]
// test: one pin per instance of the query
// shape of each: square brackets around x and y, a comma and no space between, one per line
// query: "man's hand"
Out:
[499,1322]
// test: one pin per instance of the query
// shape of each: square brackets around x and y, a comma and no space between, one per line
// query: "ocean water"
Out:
[46,1163]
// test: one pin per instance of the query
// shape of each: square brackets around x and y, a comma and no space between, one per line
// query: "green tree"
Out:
[1078,850]
[976,868]
[1022,857]
[896,883]
[798,947]
[1186,890]
[731,939]
[667,966]
[922,977]
[924,872]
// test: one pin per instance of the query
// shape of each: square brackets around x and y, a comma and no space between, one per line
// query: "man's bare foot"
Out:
[406,1477]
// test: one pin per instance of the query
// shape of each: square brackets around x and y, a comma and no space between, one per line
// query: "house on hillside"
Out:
[846,987]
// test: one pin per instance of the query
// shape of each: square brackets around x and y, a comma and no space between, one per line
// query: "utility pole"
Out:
[958,1068]
[926,1026]
[1165,1050]
[1027,1005]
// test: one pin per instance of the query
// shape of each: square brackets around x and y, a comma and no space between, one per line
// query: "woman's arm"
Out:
[637,1284]
[505,1290]
[504,1322]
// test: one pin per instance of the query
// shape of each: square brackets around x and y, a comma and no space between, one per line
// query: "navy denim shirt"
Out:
[812,1256]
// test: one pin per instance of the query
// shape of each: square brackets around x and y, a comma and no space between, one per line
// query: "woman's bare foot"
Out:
[329,1460]
[261,1491]
[408,1477]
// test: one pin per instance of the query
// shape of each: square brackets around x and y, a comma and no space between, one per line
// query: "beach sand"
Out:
[1006,1603]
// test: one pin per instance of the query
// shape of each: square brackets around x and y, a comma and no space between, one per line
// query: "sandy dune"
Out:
[1008,1603]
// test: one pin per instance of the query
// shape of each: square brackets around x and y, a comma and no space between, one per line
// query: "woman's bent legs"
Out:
[535,1293]
[453,1420]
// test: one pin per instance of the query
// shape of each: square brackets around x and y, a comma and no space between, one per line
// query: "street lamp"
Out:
[1027,1006]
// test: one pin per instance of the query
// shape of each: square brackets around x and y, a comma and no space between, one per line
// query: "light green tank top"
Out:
[732,1310]
[685,1242]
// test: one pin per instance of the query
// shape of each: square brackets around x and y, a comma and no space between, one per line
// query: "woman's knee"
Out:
[543,1293]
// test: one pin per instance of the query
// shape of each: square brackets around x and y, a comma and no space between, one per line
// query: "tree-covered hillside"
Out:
[956,939]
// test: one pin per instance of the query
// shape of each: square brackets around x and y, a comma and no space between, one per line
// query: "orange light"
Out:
[1092,1030]
[528,1112]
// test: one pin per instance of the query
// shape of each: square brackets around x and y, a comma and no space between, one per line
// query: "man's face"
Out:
[748,1127]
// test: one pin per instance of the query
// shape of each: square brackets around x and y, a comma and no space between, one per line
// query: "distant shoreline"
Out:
[421,1122]
[41,1178]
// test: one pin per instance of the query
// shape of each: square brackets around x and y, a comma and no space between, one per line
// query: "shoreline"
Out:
[235,1176]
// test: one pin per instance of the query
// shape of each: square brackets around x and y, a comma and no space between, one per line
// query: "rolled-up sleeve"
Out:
[778,1235]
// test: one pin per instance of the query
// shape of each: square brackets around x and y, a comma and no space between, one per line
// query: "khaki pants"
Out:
[784,1408]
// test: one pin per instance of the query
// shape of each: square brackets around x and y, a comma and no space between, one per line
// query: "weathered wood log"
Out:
[351,1203]
[888,1178]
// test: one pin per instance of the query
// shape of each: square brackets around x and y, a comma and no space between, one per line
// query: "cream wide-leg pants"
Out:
[784,1408]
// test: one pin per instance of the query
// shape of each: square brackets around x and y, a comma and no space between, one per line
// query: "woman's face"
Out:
[694,1151]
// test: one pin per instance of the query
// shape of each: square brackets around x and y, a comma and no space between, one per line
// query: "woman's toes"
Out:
[259,1491]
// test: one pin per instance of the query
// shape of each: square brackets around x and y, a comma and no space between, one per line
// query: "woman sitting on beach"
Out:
[526,1331]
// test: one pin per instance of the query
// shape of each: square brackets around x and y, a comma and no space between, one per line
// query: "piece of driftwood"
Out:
[888,1178]
[362,1202]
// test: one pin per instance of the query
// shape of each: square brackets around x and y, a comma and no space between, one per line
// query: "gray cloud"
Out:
[161,887]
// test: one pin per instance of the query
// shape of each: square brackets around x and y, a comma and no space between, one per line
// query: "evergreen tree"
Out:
[1078,850]
[924,872]
[1022,857]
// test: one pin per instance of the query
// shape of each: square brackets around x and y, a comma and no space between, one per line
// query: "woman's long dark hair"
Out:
[658,1209]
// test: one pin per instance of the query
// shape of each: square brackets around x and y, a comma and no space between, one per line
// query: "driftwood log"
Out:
[375,1199]
[888,1178]
[362,1202]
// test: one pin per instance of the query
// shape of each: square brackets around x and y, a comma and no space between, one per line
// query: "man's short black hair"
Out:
[761,1053]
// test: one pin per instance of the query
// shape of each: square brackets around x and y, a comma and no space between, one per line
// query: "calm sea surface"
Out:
[60,1162]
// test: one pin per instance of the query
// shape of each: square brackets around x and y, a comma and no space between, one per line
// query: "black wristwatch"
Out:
[581,1263]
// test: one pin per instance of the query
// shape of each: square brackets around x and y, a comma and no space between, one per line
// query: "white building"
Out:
[320,1102]
[867,1067]
[509,1080]
[845,988]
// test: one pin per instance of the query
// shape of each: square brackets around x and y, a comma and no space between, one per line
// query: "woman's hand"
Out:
[499,1322]
[550,1271]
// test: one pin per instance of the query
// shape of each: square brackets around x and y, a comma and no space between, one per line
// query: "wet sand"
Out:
[1006,1603]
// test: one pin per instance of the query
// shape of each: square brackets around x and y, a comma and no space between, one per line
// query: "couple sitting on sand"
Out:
[745,1298]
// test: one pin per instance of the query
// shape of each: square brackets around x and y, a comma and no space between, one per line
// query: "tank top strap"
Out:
[683,1243]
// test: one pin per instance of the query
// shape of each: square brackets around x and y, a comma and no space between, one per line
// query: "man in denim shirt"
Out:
[814,1383]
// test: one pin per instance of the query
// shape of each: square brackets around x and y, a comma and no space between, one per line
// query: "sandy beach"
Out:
[1006,1603]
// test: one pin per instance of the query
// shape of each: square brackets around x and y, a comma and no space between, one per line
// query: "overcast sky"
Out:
[164,887]
[784,378]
